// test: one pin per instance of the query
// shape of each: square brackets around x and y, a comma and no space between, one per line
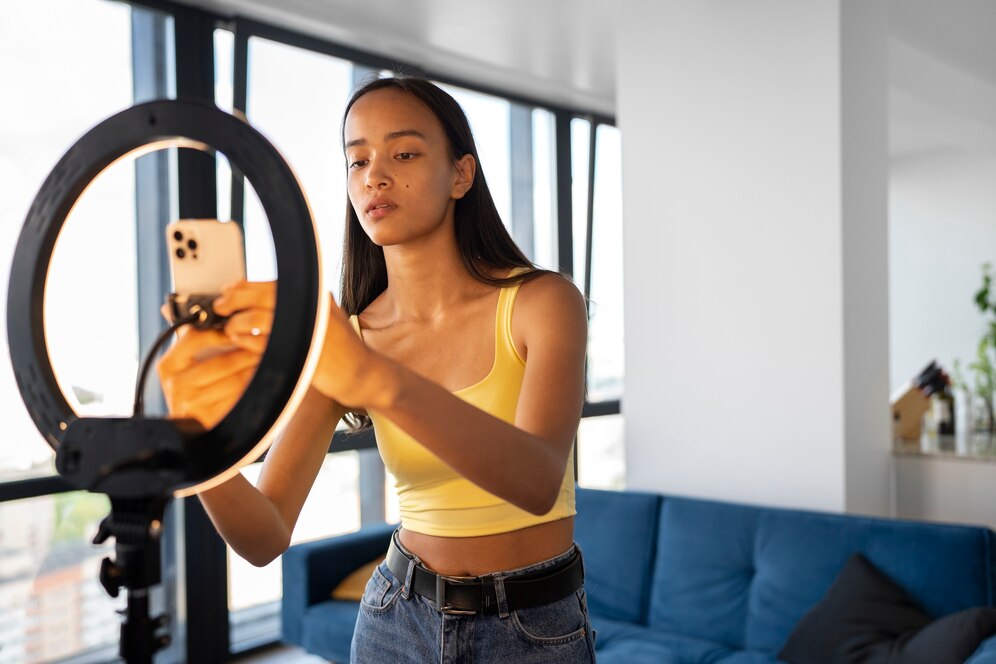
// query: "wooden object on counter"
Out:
[908,406]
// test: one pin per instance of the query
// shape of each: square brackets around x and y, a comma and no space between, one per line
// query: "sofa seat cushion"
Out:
[619,642]
[328,629]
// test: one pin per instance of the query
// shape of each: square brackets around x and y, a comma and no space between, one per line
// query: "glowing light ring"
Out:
[288,363]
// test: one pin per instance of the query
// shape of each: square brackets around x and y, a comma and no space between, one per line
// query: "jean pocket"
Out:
[560,622]
[380,593]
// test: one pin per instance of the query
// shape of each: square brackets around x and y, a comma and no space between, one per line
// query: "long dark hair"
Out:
[483,242]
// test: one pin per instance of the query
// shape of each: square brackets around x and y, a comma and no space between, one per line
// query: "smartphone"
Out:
[205,255]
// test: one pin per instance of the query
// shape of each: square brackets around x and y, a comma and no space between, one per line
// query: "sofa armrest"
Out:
[312,569]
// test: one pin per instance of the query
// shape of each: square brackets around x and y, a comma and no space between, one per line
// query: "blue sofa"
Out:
[679,580]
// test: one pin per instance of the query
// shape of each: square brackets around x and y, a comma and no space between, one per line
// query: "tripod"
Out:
[136,524]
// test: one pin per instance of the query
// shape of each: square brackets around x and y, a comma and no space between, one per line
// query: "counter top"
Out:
[966,447]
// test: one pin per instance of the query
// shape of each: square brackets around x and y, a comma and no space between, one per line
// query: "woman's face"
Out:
[402,180]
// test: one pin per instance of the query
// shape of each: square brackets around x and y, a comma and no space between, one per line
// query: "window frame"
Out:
[192,545]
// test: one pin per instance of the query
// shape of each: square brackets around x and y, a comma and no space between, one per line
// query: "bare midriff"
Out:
[476,556]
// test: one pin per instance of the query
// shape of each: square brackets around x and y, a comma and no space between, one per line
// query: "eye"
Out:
[359,163]
[405,156]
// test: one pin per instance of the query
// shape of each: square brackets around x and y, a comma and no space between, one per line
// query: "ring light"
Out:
[159,455]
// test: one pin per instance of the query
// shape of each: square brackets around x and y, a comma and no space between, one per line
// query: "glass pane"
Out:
[601,455]
[46,67]
[544,190]
[605,329]
[580,144]
[303,122]
[53,605]
[332,508]
[224,94]
[93,347]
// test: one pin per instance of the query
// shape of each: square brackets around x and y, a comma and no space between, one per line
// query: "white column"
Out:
[754,187]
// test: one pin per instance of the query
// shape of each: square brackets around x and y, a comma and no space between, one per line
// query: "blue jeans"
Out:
[398,626]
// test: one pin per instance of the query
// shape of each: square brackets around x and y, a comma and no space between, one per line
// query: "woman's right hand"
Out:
[205,373]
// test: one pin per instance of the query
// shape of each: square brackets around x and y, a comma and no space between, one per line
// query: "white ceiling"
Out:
[554,50]
[942,70]
[942,53]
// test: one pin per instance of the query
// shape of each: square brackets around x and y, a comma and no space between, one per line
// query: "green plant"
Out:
[984,366]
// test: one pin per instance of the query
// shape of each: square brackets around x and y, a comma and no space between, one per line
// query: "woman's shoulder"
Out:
[545,285]
[547,300]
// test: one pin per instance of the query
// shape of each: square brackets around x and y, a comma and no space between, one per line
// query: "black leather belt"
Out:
[472,595]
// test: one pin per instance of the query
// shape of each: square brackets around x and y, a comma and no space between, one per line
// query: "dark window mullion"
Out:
[33,487]
[239,103]
[565,223]
[205,591]
[152,78]
[590,214]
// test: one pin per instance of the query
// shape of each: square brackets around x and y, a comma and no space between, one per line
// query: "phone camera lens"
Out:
[178,236]
[192,244]
[180,253]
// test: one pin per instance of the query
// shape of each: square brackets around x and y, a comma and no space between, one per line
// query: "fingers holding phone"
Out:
[202,384]
[248,307]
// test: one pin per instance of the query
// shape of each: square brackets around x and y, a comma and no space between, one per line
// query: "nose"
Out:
[377,174]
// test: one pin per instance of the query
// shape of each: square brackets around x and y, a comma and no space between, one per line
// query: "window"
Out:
[303,122]
[605,331]
[59,609]
[601,452]
[489,121]
[45,68]
[580,160]
[53,604]
[544,179]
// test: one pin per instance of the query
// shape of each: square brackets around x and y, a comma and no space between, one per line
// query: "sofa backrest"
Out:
[617,533]
[744,575]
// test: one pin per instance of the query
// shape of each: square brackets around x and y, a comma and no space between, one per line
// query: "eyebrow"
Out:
[389,137]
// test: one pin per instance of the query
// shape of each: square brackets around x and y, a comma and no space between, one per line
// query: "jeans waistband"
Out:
[499,592]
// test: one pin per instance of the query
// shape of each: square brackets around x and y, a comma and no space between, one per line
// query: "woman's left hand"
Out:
[348,371]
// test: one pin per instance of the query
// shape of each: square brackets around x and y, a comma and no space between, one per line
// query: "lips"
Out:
[380,206]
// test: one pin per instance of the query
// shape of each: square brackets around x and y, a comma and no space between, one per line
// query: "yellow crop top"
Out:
[436,500]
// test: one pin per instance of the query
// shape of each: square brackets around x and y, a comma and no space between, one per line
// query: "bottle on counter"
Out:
[934,383]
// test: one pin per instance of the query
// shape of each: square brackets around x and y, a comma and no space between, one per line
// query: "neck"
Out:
[426,277]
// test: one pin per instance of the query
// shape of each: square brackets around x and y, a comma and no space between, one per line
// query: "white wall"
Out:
[942,221]
[754,240]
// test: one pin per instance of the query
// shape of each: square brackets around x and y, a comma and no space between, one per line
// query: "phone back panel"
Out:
[205,255]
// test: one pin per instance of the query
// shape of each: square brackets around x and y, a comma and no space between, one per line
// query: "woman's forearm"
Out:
[257,521]
[247,520]
[514,464]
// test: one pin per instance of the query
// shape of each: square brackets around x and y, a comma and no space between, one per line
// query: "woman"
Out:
[475,402]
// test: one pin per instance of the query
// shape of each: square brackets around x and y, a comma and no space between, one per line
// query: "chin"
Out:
[388,239]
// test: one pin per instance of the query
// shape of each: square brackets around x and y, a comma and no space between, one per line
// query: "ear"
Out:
[466,169]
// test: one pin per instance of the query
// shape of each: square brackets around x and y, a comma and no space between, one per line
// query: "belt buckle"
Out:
[441,605]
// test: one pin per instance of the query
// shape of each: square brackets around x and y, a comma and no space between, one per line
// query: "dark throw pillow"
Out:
[866,618]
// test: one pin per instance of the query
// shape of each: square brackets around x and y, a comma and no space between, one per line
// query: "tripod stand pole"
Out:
[136,525]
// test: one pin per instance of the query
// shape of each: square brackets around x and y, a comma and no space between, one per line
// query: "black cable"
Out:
[139,405]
